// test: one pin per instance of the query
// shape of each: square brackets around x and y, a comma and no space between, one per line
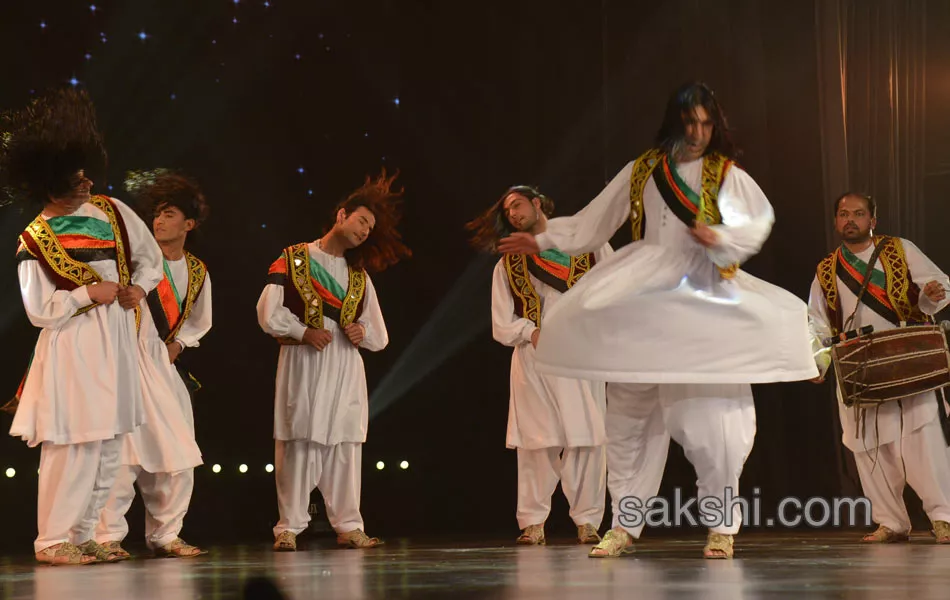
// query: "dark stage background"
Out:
[280,108]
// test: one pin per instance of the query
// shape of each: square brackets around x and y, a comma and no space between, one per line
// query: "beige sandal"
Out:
[718,545]
[286,542]
[357,539]
[587,534]
[885,535]
[616,542]
[115,547]
[941,531]
[179,548]
[101,554]
[64,554]
[533,535]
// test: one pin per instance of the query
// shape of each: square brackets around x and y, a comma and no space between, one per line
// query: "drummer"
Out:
[898,442]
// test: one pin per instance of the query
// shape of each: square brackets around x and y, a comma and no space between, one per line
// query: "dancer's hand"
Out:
[819,379]
[534,337]
[103,292]
[519,243]
[318,338]
[129,297]
[935,291]
[704,235]
[174,350]
[355,332]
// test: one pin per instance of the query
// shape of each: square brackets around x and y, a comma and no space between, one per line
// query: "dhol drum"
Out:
[889,365]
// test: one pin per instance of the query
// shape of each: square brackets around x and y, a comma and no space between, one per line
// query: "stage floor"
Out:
[813,565]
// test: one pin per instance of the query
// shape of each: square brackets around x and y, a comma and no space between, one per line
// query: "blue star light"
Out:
[73,81]
[88,56]
[297,56]
[234,20]
[92,8]
[173,96]
[396,101]
[300,170]
[43,25]
[310,192]
[143,36]
[110,187]
[266,4]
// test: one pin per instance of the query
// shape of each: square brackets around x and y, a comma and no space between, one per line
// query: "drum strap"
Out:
[867,280]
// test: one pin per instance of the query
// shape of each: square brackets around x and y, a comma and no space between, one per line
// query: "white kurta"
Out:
[892,420]
[544,411]
[321,396]
[83,383]
[166,442]
[657,311]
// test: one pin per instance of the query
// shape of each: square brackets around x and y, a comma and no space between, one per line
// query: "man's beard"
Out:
[856,235]
[527,225]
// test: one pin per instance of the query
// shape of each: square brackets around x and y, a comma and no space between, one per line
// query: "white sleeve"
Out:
[46,306]
[923,271]
[747,219]
[818,326]
[375,335]
[596,223]
[147,269]
[276,319]
[507,328]
[198,322]
[603,253]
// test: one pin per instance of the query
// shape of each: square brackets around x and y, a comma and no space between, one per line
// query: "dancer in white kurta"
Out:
[321,305]
[556,424]
[161,455]
[84,264]
[671,324]
[899,442]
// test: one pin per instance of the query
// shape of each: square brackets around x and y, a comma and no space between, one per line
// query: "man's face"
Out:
[854,221]
[697,132]
[170,224]
[356,226]
[522,214]
[79,192]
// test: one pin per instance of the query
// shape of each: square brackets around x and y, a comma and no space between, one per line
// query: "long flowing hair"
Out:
[384,246]
[155,190]
[45,144]
[492,225]
[683,101]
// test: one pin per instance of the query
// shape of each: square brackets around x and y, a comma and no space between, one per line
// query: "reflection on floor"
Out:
[812,565]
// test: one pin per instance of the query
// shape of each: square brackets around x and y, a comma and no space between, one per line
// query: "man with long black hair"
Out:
[556,424]
[85,263]
[670,322]
[320,304]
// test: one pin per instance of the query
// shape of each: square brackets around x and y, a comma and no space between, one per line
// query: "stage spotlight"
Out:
[404,465]
[242,468]
[216,468]
[11,472]
[269,468]
[380,466]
